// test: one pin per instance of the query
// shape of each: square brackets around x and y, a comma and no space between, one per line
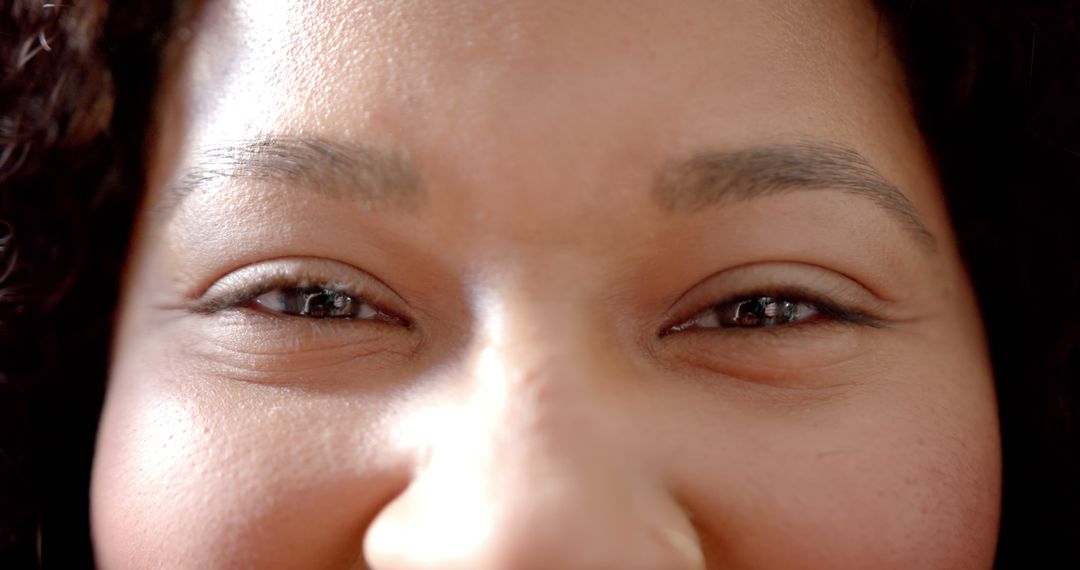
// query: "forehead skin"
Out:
[540,421]
[480,92]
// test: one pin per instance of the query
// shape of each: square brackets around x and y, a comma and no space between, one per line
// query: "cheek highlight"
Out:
[220,474]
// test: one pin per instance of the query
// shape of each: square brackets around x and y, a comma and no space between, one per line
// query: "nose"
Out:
[538,465]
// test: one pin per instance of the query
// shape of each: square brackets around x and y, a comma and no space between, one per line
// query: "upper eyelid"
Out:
[264,276]
[812,282]
[874,297]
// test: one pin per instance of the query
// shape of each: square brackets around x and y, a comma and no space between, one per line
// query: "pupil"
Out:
[324,303]
[750,313]
[761,311]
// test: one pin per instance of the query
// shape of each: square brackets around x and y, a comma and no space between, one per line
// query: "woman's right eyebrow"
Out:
[371,176]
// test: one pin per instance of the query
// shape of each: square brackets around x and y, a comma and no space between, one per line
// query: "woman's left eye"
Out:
[317,303]
[752,312]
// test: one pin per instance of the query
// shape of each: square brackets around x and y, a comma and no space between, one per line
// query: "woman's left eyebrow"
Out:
[721,178]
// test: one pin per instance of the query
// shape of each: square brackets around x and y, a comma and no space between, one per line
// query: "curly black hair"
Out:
[75,91]
[995,84]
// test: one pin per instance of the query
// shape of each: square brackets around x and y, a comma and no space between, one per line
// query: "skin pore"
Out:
[533,284]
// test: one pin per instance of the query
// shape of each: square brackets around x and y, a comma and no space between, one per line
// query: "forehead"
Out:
[584,98]
[734,69]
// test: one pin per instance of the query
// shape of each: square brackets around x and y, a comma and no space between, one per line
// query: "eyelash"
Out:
[825,312]
[248,298]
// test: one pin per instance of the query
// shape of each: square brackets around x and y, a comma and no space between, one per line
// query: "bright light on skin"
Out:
[238,75]
[651,285]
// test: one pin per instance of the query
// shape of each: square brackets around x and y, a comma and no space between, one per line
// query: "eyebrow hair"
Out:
[373,176]
[720,178]
[334,169]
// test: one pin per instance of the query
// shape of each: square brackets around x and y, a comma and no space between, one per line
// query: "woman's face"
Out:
[533,284]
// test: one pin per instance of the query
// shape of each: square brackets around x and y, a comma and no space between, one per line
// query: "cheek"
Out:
[882,480]
[243,476]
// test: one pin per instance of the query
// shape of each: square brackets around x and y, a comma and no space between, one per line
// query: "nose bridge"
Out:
[547,369]
[545,413]
[541,418]
[543,361]
[529,468]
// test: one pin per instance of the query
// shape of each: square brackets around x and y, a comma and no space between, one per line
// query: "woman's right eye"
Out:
[319,302]
[313,302]
[305,288]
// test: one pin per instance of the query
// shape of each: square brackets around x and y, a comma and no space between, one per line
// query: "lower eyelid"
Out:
[815,327]
[320,324]
[784,356]
[268,344]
